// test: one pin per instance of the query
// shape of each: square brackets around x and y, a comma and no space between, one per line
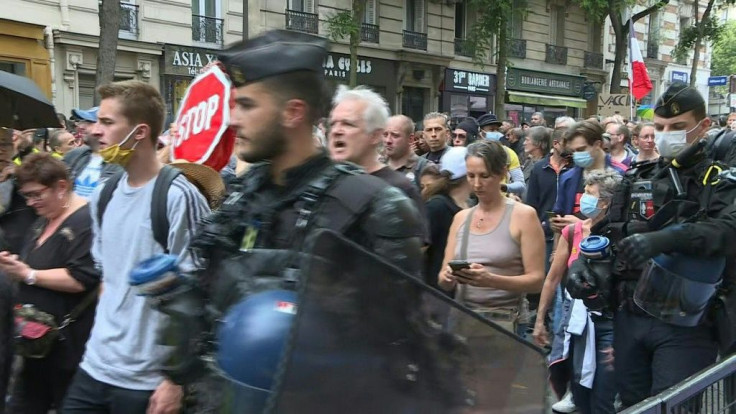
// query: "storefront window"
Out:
[523,113]
[175,88]
[412,103]
[16,68]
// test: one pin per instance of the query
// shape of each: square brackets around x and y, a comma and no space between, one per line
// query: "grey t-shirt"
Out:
[122,349]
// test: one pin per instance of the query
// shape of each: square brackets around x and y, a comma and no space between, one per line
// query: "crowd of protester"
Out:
[513,200]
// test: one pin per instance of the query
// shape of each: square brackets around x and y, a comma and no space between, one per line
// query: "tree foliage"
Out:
[688,36]
[614,9]
[346,24]
[724,51]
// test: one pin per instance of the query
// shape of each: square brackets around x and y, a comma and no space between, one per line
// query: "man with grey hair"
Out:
[357,123]
[397,139]
[538,119]
[620,136]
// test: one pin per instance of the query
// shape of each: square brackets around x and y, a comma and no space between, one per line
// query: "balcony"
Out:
[369,33]
[302,22]
[652,50]
[207,29]
[129,18]
[461,49]
[593,60]
[414,40]
[517,48]
[556,55]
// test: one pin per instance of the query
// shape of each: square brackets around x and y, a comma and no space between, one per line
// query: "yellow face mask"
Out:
[116,155]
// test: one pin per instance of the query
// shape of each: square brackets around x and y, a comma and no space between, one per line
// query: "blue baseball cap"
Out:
[89,115]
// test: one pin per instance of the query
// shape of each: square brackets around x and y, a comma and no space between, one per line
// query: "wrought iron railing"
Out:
[414,40]
[461,49]
[206,29]
[556,55]
[369,33]
[129,18]
[593,60]
[711,391]
[652,50]
[302,21]
[517,48]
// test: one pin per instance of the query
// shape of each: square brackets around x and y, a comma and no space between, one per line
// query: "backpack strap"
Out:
[159,217]
[106,194]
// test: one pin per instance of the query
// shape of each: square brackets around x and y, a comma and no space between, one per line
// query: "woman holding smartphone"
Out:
[501,240]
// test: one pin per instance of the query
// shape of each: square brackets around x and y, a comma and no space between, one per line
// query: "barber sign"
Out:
[204,115]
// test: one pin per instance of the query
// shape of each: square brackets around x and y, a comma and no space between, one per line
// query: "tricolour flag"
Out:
[639,81]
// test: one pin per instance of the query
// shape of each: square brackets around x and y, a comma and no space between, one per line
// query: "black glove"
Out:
[581,282]
[639,248]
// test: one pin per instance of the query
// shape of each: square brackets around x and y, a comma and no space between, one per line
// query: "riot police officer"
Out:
[255,242]
[675,224]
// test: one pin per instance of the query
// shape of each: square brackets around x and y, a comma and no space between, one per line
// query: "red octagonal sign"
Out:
[204,114]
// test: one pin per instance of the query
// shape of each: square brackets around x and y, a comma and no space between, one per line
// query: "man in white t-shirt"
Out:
[121,371]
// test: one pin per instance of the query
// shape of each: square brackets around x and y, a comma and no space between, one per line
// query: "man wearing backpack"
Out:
[121,368]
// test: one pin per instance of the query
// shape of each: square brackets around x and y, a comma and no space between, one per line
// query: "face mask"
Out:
[582,159]
[116,155]
[669,144]
[589,206]
[494,135]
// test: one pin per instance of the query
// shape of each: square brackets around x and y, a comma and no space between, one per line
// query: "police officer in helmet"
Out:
[254,243]
[675,218]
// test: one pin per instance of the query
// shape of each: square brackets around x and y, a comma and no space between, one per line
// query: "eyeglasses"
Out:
[33,195]
[454,135]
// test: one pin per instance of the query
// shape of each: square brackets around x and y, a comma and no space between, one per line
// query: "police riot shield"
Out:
[369,338]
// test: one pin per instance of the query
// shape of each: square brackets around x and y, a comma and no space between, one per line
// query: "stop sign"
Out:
[204,114]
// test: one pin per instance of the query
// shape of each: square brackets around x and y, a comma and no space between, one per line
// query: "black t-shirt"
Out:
[399,180]
[441,210]
[68,247]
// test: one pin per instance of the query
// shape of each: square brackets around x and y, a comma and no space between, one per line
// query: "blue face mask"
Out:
[494,135]
[582,159]
[589,206]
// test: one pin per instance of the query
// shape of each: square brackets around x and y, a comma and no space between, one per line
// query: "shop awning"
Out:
[548,100]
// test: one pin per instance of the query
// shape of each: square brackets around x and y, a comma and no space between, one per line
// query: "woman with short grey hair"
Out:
[536,146]
[593,390]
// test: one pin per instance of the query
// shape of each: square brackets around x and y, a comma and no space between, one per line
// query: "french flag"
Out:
[639,81]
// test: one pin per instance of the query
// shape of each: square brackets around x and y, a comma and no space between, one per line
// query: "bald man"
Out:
[397,139]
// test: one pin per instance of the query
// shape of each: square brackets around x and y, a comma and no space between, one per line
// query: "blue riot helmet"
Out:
[678,288]
[250,346]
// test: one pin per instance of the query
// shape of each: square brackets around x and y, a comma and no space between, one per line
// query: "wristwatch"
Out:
[31,278]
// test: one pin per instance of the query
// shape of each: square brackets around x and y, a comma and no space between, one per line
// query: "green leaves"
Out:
[492,16]
[724,51]
[341,24]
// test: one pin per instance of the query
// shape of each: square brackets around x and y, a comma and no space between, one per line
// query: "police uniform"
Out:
[684,207]
[255,242]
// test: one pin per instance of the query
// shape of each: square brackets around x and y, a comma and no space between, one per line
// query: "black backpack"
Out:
[159,219]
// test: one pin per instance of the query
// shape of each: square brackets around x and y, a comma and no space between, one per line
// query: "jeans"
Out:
[601,397]
[652,355]
[39,388]
[87,395]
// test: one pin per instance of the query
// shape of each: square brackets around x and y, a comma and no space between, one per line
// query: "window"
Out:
[369,12]
[206,21]
[208,8]
[517,19]
[460,20]
[415,16]
[595,37]
[557,27]
[306,6]
[655,21]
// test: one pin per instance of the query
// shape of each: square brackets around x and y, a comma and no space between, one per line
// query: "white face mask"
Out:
[669,144]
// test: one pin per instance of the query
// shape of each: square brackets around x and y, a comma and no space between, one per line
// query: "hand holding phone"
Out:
[552,214]
[456,265]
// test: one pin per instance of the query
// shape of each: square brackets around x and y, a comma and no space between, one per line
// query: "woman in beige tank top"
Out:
[504,243]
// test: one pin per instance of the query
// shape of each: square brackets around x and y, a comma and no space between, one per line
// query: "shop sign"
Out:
[677,76]
[542,82]
[370,71]
[181,60]
[464,81]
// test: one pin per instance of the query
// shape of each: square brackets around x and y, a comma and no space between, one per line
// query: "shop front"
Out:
[555,95]
[22,52]
[181,64]
[377,74]
[467,94]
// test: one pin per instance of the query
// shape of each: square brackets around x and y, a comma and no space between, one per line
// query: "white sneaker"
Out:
[565,405]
